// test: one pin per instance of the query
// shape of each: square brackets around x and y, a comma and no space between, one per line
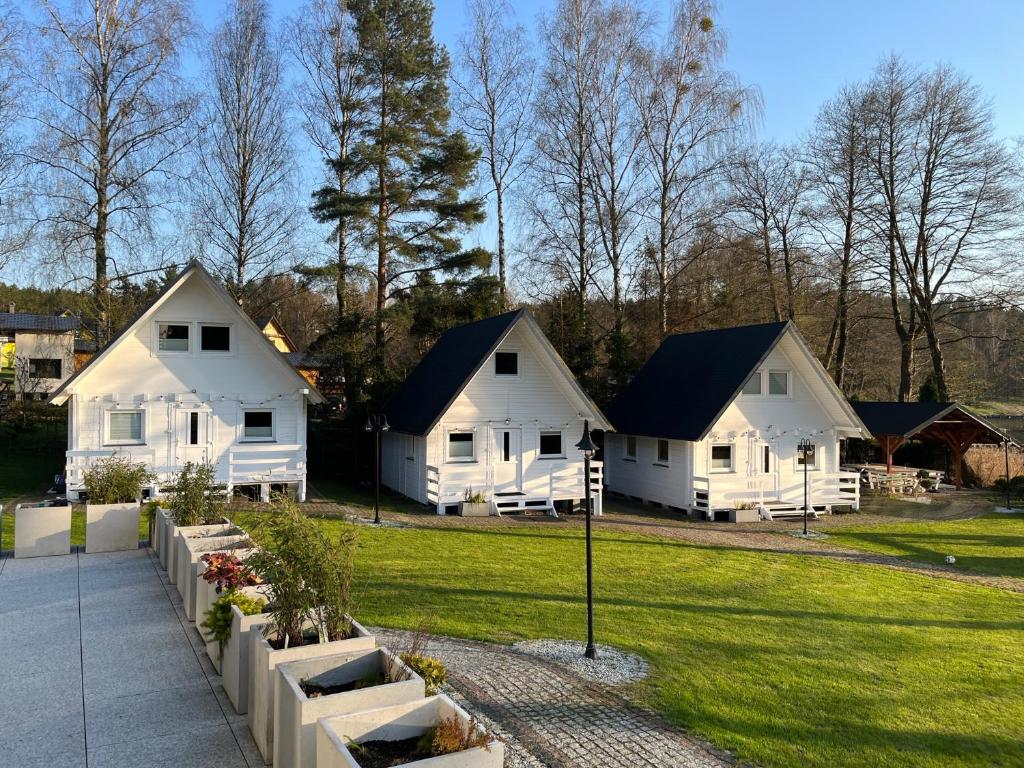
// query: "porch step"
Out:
[510,504]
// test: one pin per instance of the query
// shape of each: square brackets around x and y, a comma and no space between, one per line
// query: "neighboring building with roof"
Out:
[492,408]
[710,426]
[37,353]
[272,329]
[191,379]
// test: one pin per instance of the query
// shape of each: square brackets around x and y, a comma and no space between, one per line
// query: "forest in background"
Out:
[603,169]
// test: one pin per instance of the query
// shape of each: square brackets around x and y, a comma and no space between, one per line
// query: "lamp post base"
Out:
[591,651]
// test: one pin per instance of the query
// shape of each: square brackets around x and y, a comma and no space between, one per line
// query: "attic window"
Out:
[173,337]
[753,384]
[215,338]
[506,363]
[778,383]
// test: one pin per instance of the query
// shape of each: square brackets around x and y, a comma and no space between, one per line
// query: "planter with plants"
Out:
[245,621]
[474,504]
[197,505]
[192,549]
[113,494]
[305,691]
[42,530]
[216,623]
[432,732]
[311,577]
[218,574]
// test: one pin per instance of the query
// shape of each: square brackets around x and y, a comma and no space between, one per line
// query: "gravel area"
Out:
[611,667]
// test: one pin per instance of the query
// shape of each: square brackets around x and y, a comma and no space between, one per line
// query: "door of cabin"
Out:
[767,469]
[508,464]
[191,438]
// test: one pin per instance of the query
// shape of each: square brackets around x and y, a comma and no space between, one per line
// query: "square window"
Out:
[778,383]
[811,456]
[721,457]
[173,337]
[460,446]
[663,451]
[550,443]
[124,427]
[752,386]
[259,425]
[43,368]
[506,363]
[630,446]
[215,338]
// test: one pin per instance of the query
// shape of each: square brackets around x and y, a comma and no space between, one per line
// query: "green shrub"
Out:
[195,498]
[116,480]
[217,620]
[431,670]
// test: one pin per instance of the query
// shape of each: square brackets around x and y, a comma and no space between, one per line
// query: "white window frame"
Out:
[273,426]
[108,440]
[156,337]
[760,385]
[626,453]
[732,458]
[448,446]
[798,465]
[561,444]
[215,352]
[507,352]
[789,384]
[658,461]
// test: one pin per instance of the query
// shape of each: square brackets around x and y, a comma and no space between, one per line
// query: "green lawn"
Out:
[991,544]
[787,660]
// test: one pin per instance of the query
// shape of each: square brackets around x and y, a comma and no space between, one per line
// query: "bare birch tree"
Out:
[15,225]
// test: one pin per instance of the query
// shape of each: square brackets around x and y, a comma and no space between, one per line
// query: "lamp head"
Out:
[586,445]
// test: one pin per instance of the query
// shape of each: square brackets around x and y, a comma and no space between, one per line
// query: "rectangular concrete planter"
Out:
[206,594]
[182,533]
[474,509]
[111,527]
[295,714]
[167,536]
[189,561]
[395,723]
[263,660]
[236,664]
[41,530]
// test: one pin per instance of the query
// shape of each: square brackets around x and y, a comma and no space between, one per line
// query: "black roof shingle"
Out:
[24,321]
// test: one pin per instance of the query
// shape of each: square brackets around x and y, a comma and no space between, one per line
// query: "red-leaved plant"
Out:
[225,570]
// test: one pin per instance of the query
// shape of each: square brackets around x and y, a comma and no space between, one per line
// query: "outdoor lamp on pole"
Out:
[587,448]
[1006,456]
[377,423]
[805,447]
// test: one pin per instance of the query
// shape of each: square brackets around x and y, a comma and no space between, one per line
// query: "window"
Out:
[551,444]
[506,363]
[193,428]
[663,451]
[124,428]
[410,448]
[766,459]
[506,446]
[752,386]
[214,338]
[173,337]
[259,425]
[460,446]
[631,447]
[778,383]
[43,368]
[721,458]
[812,457]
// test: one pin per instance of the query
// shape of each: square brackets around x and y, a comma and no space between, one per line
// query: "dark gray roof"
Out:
[908,419]
[24,321]
[689,381]
[432,386]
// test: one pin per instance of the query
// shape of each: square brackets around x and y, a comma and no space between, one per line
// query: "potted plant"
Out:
[236,651]
[433,731]
[307,690]
[197,504]
[113,492]
[190,552]
[474,504]
[216,623]
[311,576]
[42,529]
[218,574]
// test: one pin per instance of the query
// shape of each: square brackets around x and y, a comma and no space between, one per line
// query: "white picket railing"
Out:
[823,489]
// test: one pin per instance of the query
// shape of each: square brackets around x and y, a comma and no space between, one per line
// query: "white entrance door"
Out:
[767,469]
[191,437]
[507,452]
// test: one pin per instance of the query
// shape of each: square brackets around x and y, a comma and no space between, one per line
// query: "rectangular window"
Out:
[506,363]
[124,428]
[812,457]
[506,446]
[721,457]
[663,451]
[193,428]
[630,446]
[766,459]
[43,368]
[214,338]
[259,425]
[173,337]
[460,446]
[752,386]
[778,383]
[410,448]
[551,444]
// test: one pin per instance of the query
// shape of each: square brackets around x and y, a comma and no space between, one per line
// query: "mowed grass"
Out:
[991,544]
[786,660]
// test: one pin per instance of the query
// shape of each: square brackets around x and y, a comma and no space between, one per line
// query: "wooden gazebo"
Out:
[892,424]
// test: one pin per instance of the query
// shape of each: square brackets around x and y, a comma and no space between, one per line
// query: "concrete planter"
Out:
[176,555]
[41,530]
[111,527]
[189,561]
[206,594]
[296,715]
[474,509]
[395,723]
[235,664]
[168,531]
[263,661]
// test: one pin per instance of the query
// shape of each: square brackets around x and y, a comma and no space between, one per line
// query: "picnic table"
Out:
[905,480]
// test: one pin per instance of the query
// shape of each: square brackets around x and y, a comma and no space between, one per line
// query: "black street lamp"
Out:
[377,423]
[587,448]
[1006,456]
[805,447]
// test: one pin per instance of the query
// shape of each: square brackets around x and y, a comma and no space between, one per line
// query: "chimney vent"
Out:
[10,307]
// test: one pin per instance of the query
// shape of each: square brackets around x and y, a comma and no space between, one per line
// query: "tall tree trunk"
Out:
[767,252]
[499,197]
[787,265]
[938,363]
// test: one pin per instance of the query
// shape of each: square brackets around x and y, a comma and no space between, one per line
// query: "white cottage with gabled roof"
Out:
[191,379]
[491,409]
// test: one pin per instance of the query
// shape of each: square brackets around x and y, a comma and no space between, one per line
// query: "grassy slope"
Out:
[786,660]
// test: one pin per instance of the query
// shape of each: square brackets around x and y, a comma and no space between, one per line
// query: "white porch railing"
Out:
[824,489]
[265,463]
[79,461]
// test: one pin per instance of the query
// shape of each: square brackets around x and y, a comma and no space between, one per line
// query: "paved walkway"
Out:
[99,669]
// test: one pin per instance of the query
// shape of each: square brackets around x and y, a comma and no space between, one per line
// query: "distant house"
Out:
[37,353]
[711,425]
[191,379]
[493,409]
[273,331]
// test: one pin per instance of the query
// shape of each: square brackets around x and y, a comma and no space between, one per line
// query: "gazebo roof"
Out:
[926,420]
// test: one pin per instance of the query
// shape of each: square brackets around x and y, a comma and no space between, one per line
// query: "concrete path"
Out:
[100,669]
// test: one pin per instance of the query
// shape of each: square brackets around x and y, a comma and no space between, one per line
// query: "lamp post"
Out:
[377,423]
[1006,456]
[805,447]
[587,448]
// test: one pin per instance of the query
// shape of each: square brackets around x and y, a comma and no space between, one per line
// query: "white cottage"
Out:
[191,379]
[37,353]
[712,423]
[493,409]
